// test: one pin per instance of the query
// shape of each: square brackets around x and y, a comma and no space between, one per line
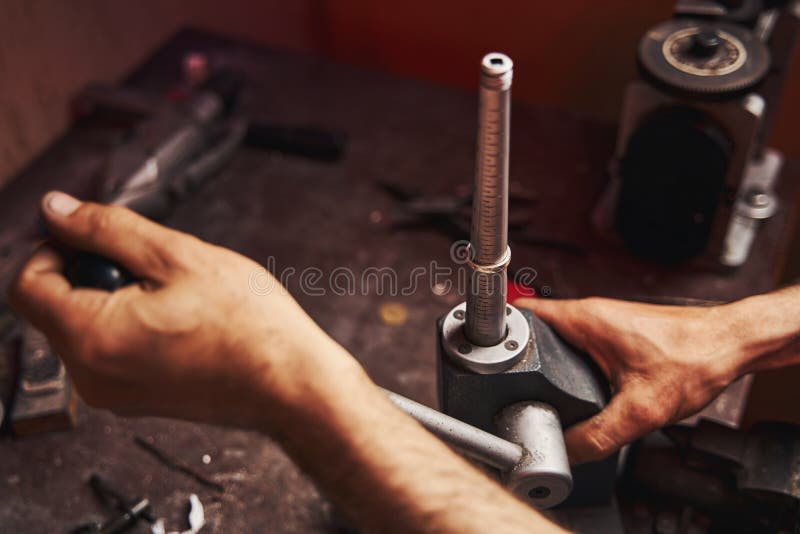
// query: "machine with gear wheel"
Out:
[691,176]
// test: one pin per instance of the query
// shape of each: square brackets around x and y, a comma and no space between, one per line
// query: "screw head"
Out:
[511,345]
[459,314]
[705,43]
[539,492]
[465,348]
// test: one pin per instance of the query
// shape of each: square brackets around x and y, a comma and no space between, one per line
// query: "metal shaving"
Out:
[197,519]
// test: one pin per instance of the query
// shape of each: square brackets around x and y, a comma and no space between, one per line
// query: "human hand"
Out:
[192,340]
[664,363]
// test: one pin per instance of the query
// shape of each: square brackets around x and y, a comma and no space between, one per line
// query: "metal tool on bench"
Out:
[179,149]
[175,150]
[182,148]
[149,177]
[500,368]
[172,150]
[43,400]
[129,511]
[507,382]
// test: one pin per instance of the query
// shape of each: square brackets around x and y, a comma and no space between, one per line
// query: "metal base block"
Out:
[551,372]
[44,400]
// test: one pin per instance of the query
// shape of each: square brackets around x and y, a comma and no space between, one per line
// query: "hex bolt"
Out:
[758,198]
[539,492]
[511,345]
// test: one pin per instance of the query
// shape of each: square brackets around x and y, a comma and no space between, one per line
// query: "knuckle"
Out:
[19,290]
[100,220]
[104,350]
[648,414]
[600,439]
[105,347]
[168,252]
[74,324]
[599,443]
[22,283]
[640,414]
[84,350]
[186,252]
[180,249]
[94,349]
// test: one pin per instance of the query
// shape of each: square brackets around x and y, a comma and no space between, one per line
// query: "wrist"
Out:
[771,329]
[751,334]
[292,390]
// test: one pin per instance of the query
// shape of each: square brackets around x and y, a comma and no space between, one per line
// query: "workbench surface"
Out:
[304,214]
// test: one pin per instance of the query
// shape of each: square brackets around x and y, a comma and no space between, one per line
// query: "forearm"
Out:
[382,467]
[767,330]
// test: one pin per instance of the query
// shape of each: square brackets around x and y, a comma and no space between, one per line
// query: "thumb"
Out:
[631,414]
[567,316]
[114,232]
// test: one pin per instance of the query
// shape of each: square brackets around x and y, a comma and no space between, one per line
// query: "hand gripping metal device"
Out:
[507,383]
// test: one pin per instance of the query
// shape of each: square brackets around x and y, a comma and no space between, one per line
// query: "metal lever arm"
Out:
[537,471]
[472,441]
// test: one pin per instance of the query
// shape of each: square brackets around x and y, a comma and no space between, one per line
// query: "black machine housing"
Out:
[690,147]
[551,371]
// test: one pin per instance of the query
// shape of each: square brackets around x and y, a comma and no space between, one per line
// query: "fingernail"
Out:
[61,203]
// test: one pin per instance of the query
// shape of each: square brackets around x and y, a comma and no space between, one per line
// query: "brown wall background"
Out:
[51,48]
[574,55]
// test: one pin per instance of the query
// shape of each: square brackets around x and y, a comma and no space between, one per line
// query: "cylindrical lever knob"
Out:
[543,478]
